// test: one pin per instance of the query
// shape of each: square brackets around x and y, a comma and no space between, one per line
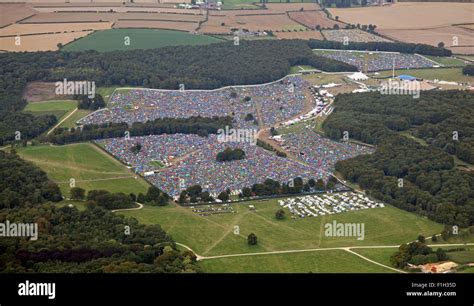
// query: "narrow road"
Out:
[140,206]
[60,122]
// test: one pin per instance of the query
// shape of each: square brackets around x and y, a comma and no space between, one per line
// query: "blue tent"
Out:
[405,77]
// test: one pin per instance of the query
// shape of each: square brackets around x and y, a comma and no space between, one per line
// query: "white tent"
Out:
[358,76]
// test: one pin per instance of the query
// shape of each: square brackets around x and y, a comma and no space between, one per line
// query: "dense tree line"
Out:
[154,197]
[202,126]
[468,70]
[22,184]
[269,147]
[416,253]
[90,241]
[84,102]
[441,118]
[430,184]
[107,200]
[381,46]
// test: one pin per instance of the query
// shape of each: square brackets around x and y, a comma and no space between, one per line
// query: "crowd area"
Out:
[327,204]
[277,101]
[352,35]
[190,159]
[378,61]
[320,152]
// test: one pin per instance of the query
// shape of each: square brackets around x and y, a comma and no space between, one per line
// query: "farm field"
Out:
[57,108]
[381,255]
[46,42]
[47,28]
[139,39]
[312,19]
[382,227]
[12,12]
[462,257]
[446,61]
[401,22]
[445,74]
[334,261]
[463,44]
[88,165]
[71,121]
[405,15]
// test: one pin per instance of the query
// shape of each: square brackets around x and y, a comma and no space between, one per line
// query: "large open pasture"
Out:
[139,39]
[227,233]
[88,165]
[58,108]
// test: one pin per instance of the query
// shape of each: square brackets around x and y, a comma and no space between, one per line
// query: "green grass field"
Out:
[71,121]
[331,261]
[88,165]
[58,108]
[446,61]
[381,255]
[214,235]
[445,74]
[462,257]
[114,39]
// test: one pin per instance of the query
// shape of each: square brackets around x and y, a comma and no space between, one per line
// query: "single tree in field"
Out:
[252,239]
[280,214]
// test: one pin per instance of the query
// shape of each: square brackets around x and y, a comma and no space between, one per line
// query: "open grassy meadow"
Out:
[88,165]
[58,108]
[114,39]
[227,233]
[330,261]
[445,74]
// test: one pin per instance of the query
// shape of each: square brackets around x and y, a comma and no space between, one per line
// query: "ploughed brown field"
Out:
[438,22]
[47,42]
[311,19]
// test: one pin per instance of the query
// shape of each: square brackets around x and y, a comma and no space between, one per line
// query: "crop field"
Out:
[13,12]
[139,39]
[406,15]
[89,166]
[333,261]
[47,42]
[312,19]
[401,21]
[49,28]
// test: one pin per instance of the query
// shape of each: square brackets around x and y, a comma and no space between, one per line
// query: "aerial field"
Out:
[13,12]
[401,21]
[406,15]
[444,74]
[48,28]
[334,261]
[312,19]
[89,166]
[47,42]
[383,226]
[58,108]
[139,39]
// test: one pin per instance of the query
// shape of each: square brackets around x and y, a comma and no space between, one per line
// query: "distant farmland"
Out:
[139,39]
